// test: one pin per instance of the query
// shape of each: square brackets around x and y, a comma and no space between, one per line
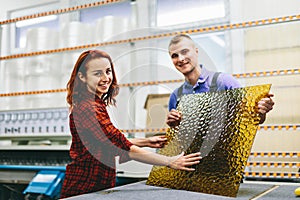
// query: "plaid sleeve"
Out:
[98,134]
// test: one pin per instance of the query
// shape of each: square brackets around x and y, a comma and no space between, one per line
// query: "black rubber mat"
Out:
[140,190]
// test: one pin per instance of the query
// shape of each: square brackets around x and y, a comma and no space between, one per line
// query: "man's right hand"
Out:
[173,118]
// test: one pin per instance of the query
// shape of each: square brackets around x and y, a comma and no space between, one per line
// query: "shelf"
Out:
[36,147]
[55,136]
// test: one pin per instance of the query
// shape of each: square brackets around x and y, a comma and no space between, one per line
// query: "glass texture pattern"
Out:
[222,126]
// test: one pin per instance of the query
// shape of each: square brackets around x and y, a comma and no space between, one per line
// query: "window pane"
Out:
[93,14]
[18,30]
[174,12]
[22,28]
[214,46]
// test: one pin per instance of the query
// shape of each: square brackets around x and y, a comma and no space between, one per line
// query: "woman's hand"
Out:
[153,142]
[173,118]
[183,162]
[157,141]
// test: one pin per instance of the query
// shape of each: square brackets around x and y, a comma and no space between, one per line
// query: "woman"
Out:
[95,141]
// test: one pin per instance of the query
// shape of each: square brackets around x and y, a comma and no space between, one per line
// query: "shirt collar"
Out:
[202,78]
[203,75]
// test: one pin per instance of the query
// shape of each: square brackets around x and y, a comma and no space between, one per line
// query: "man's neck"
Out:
[193,77]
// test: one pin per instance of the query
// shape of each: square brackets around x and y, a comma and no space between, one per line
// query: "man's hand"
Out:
[173,118]
[264,106]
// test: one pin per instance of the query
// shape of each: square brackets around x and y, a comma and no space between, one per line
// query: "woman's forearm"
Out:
[148,157]
[153,142]
[140,142]
[182,162]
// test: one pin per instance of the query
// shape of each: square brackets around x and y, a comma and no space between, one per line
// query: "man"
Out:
[184,55]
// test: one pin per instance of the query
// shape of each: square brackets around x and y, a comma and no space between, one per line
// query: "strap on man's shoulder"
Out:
[214,86]
[179,94]
[179,91]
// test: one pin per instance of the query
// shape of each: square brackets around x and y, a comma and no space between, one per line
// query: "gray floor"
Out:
[138,191]
[283,192]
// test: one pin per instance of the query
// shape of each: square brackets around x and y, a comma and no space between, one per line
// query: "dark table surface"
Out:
[141,191]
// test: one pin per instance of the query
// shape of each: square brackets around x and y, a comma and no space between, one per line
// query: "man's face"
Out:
[184,56]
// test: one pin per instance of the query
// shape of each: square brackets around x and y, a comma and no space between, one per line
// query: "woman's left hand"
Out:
[157,141]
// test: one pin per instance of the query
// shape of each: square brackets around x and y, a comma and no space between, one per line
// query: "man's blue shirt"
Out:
[224,82]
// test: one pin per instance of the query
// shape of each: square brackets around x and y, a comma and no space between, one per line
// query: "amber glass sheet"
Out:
[222,126]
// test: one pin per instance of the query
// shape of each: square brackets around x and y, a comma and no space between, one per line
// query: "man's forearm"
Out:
[262,118]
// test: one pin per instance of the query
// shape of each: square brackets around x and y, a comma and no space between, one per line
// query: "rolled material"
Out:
[75,34]
[38,39]
[111,28]
[42,73]
[68,61]
[14,75]
[14,82]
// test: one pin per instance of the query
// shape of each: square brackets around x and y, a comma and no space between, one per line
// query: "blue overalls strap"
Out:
[179,94]
[212,88]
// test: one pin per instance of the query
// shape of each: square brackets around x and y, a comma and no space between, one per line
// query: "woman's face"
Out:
[98,76]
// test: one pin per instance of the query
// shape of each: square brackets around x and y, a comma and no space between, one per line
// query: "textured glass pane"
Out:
[222,126]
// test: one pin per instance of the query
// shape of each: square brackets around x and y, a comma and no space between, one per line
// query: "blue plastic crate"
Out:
[47,183]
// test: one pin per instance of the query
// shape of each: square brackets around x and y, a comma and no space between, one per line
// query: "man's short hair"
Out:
[178,38]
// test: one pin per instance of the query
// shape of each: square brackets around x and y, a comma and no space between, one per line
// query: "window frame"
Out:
[12,28]
[197,24]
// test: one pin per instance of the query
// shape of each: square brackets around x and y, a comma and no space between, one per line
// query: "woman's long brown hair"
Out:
[75,86]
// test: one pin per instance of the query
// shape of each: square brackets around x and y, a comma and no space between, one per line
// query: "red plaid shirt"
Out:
[95,144]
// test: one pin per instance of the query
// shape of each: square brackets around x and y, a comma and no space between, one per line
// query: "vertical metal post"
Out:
[132,108]
[1,66]
[1,40]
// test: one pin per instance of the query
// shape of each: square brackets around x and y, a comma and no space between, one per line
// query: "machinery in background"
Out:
[35,143]
[34,152]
